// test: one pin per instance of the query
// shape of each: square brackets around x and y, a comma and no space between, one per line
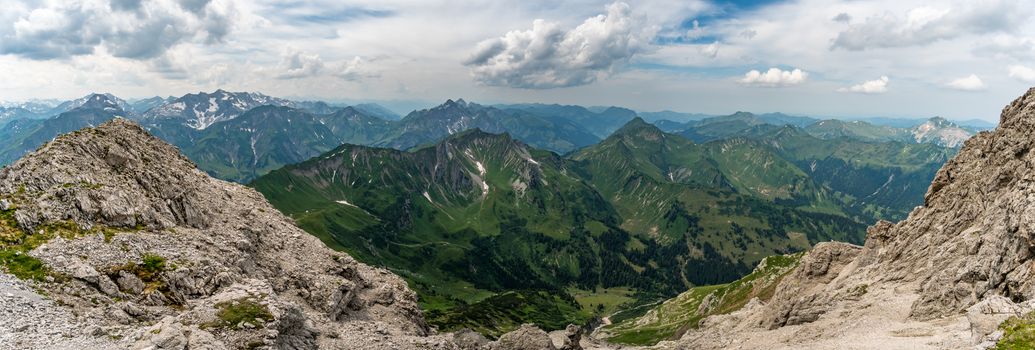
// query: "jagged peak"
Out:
[450,103]
[1020,112]
[105,101]
[116,159]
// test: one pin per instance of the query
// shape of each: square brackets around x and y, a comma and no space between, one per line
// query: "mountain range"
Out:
[481,214]
[731,217]
[936,130]
[185,121]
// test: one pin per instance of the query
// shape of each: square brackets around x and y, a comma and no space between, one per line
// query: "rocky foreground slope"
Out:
[945,278]
[121,242]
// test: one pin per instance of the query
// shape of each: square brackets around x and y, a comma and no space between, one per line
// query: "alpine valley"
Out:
[496,216]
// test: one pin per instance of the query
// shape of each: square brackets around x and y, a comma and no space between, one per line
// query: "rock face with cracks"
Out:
[143,250]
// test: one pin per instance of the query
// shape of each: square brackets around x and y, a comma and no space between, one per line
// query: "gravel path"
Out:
[30,321]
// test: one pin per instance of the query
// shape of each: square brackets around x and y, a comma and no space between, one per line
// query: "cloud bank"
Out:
[927,24]
[298,65]
[135,29]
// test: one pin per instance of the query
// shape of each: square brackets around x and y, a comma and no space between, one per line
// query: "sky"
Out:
[838,58]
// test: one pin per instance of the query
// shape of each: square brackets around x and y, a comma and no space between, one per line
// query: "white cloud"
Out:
[968,83]
[353,70]
[1022,73]
[774,77]
[926,24]
[297,65]
[878,86]
[547,56]
[300,65]
[131,29]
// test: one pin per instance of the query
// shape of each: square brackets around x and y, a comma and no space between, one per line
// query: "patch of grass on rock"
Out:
[239,312]
[1018,333]
[15,245]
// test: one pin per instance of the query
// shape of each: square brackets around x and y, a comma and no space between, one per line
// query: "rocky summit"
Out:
[945,278]
[118,241]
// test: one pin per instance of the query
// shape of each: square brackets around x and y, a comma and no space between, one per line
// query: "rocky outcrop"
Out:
[972,239]
[948,275]
[798,299]
[157,254]
[528,337]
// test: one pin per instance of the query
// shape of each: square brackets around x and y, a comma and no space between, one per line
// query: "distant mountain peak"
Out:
[202,109]
[639,128]
[940,131]
[377,110]
[450,103]
[636,123]
[105,101]
[101,101]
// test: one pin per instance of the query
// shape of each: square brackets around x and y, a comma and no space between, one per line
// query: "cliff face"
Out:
[974,237]
[943,278]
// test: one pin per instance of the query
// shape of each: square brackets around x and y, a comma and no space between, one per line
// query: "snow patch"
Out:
[481,168]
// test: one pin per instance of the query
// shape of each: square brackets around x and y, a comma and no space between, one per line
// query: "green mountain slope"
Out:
[475,215]
[856,129]
[733,198]
[269,137]
[875,180]
[481,222]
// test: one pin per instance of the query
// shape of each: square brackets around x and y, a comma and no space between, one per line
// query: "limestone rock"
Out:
[527,337]
[569,338]
[986,316]
[130,283]
[467,339]
[797,299]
